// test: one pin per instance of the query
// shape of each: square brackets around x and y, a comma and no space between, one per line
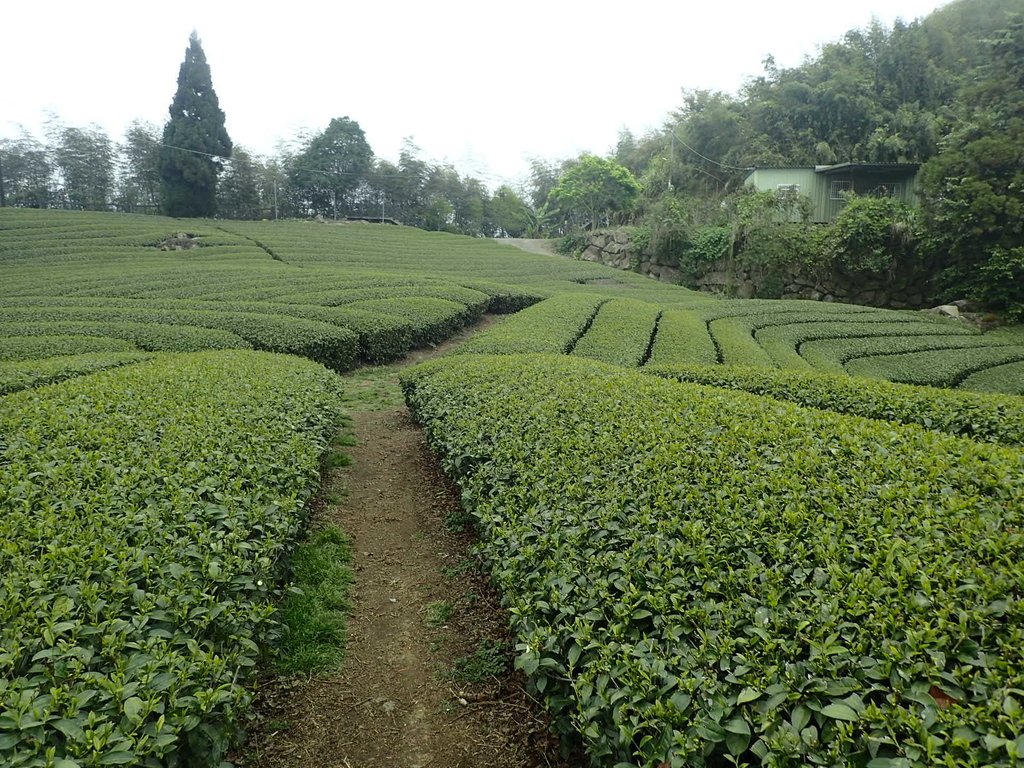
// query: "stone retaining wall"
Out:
[615,249]
[906,289]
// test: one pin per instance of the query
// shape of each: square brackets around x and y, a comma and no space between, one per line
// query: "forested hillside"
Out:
[946,91]
[876,95]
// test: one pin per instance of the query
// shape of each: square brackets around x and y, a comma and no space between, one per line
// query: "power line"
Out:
[675,136]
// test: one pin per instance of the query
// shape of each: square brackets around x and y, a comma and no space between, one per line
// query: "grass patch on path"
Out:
[314,615]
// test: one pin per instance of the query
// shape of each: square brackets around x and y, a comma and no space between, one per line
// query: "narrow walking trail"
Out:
[426,680]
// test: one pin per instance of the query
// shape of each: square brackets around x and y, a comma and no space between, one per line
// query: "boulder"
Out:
[949,310]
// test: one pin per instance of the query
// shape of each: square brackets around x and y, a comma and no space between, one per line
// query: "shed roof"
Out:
[867,168]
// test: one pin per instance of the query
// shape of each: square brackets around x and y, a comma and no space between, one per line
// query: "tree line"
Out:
[331,174]
[190,167]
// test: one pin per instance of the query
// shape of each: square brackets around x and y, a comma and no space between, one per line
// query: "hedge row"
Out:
[783,343]
[435,320]
[703,578]
[331,345]
[760,311]
[1008,378]
[683,338]
[736,343]
[995,417]
[22,374]
[834,354]
[476,301]
[386,330]
[505,299]
[943,367]
[554,325]
[31,347]
[382,338]
[152,337]
[621,333]
[144,515]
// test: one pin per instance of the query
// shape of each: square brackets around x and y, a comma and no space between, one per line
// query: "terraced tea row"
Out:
[705,577]
[909,347]
[553,326]
[622,333]
[23,374]
[999,418]
[145,516]
[260,268]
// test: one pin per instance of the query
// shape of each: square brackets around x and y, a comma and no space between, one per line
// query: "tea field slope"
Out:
[708,577]
[338,294]
[717,545]
[911,347]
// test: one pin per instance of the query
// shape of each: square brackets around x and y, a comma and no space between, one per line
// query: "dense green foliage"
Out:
[974,188]
[330,168]
[553,326]
[981,416]
[680,600]
[23,374]
[194,140]
[621,333]
[589,192]
[872,235]
[656,496]
[145,513]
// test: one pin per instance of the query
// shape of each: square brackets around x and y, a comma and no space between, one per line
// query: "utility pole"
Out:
[3,201]
[275,199]
[671,157]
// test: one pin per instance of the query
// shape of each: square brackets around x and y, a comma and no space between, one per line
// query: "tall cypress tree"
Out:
[194,140]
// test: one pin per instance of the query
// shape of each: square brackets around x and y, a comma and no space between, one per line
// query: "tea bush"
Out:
[145,514]
[701,577]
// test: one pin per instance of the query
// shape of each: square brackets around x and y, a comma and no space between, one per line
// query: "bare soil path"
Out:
[426,680]
[533,245]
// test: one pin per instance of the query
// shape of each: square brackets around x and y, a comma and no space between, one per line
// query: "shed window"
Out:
[839,189]
[892,189]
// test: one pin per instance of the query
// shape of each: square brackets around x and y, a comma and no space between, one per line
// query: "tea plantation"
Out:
[727,532]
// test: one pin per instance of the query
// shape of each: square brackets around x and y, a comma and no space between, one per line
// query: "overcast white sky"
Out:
[483,85]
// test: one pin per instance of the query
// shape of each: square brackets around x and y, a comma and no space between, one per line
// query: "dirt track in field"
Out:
[416,689]
[532,245]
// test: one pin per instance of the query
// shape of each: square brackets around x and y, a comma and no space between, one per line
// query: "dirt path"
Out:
[426,680]
[533,245]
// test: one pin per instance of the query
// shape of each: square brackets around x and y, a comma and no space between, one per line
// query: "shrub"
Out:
[701,577]
[144,515]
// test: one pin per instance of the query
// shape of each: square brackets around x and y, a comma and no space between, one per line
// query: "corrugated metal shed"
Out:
[828,185]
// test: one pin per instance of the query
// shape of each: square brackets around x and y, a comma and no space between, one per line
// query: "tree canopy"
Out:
[195,141]
[330,167]
[591,192]
[974,188]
